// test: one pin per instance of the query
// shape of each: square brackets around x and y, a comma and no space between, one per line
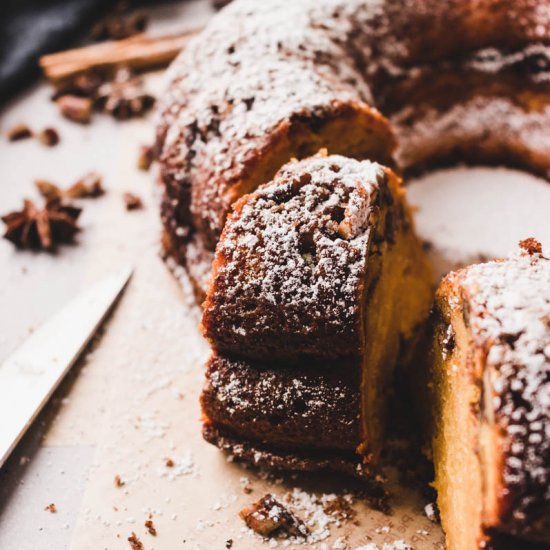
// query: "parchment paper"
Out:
[134,398]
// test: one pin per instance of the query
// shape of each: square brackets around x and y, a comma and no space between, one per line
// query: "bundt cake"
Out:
[317,284]
[490,401]
[458,80]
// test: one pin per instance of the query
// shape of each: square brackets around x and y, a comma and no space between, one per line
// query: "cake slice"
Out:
[321,268]
[490,399]
[285,417]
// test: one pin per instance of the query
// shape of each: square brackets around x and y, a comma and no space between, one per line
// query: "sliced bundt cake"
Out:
[318,271]
[490,401]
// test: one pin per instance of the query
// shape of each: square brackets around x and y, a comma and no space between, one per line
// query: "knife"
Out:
[29,377]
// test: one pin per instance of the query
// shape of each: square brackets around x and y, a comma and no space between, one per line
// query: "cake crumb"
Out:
[268,516]
[119,481]
[135,543]
[52,508]
[431,512]
[150,526]
[338,506]
[169,463]
[132,202]
[531,246]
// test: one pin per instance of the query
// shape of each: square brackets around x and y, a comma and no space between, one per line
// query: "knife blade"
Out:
[29,376]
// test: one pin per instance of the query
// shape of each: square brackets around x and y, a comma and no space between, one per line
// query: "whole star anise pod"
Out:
[42,228]
[124,97]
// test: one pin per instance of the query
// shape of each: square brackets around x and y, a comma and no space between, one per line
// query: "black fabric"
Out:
[31,28]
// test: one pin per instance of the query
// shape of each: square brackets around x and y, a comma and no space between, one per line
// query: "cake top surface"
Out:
[258,66]
[292,257]
[305,229]
[508,311]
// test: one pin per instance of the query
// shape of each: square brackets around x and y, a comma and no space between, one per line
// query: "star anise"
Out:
[89,186]
[42,228]
[124,97]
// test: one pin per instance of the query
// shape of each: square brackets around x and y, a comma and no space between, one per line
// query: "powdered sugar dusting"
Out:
[260,66]
[293,259]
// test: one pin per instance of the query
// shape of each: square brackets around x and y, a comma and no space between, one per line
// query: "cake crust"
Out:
[504,307]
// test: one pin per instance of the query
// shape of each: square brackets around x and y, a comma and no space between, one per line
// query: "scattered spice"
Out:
[268,516]
[124,97]
[51,508]
[42,228]
[83,84]
[48,136]
[146,157]
[19,132]
[169,463]
[119,482]
[132,202]
[89,186]
[135,543]
[150,526]
[119,25]
[75,108]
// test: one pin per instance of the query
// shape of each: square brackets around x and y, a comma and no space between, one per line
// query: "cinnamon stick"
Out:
[140,52]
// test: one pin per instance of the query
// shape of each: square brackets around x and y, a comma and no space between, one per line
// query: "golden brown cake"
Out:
[318,282]
[490,402]
[458,81]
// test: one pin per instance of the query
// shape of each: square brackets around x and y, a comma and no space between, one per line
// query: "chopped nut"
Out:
[135,543]
[150,526]
[146,157]
[267,516]
[48,136]
[119,482]
[132,202]
[18,132]
[51,508]
[169,463]
[75,108]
